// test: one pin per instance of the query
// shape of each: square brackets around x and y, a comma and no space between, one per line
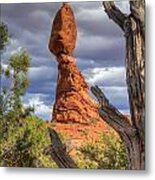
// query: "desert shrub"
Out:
[23,144]
[107,153]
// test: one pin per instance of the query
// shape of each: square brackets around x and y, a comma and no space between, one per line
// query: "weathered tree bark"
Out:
[58,152]
[131,132]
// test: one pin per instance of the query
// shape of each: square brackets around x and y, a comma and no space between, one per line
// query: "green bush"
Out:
[23,144]
[107,153]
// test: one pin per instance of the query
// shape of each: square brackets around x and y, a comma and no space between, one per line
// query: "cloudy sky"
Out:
[100,50]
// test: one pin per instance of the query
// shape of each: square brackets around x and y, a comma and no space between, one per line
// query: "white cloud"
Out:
[107,76]
[17,50]
[41,109]
[112,82]
[4,66]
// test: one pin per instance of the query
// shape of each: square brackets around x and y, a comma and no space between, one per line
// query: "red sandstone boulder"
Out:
[63,35]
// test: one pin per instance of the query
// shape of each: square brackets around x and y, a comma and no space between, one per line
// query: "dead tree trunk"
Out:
[58,152]
[131,133]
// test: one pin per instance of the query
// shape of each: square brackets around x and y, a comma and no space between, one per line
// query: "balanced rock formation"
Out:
[73,103]
[63,35]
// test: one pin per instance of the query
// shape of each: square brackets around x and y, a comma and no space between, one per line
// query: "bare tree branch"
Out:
[110,114]
[114,13]
[58,152]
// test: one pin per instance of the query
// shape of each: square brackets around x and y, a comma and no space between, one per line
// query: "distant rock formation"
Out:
[73,103]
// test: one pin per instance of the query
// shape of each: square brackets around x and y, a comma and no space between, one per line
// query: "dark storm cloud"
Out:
[46,88]
[88,20]
[21,10]
[42,79]
[100,43]
[30,25]
[33,18]
[42,73]
[102,49]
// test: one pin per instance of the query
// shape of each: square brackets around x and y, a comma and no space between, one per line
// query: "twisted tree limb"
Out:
[58,152]
[111,115]
[114,13]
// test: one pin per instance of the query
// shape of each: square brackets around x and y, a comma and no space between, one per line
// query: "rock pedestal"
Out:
[73,103]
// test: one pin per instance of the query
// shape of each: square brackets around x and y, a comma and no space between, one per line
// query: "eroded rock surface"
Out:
[73,103]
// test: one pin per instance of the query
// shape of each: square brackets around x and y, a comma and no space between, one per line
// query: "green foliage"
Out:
[108,153]
[16,73]
[4,36]
[23,144]
[20,62]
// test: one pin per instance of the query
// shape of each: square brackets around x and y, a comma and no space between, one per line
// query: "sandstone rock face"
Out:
[63,35]
[73,103]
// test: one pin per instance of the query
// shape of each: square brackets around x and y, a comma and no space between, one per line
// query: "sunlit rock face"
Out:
[72,103]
